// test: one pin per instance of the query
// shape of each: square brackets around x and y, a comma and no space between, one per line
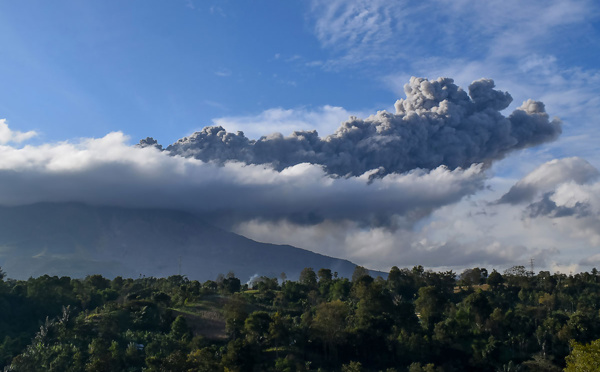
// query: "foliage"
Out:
[583,358]
[415,320]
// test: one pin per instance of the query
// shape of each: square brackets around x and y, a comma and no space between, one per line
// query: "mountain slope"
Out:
[77,240]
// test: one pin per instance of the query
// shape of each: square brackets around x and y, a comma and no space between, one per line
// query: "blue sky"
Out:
[76,71]
[166,68]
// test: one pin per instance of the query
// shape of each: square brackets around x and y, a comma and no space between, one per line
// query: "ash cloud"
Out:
[149,142]
[437,124]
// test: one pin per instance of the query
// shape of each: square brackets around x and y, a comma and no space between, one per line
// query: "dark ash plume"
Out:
[149,142]
[437,124]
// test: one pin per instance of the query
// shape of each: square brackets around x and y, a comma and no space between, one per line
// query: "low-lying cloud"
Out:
[437,124]
[548,176]
[562,196]
[459,248]
[556,222]
[108,171]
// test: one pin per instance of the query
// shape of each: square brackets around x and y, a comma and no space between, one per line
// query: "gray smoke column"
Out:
[437,124]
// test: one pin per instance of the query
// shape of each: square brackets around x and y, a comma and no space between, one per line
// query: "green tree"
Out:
[204,360]
[256,326]
[340,289]
[97,282]
[279,331]
[325,281]
[329,325]
[324,275]
[308,277]
[495,279]
[100,357]
[359,273]
[478,306]
[584,358]
[417,367]
[402,284]
[516,276]
[352,367]
[179,328]
[240,356]
[430,304]
[231,284]
[235,316]
[473,276]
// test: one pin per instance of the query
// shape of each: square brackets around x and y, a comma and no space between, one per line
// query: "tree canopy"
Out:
[414,320]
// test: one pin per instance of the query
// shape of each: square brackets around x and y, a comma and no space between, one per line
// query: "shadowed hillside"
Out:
[77,240]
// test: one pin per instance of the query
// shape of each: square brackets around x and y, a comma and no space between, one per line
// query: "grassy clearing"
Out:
[205,317]
[483,287]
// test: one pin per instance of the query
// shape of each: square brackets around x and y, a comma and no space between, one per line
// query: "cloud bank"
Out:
[551,215]
[564,192]
[437,124]
[375,191]
[548,176]
[109,171]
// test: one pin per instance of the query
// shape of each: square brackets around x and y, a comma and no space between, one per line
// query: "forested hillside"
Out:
[415,320]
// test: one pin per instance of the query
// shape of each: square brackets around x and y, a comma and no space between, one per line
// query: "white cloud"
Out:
[223,72]
[565,269]
[214,104]
[472,232]
[7,135]
[512,27]
[381,248]
[356,31]
[548,176]
[217,10]
[573,208]
[560,208]
[359,31]
[325,120]
[190,4]
[108,171]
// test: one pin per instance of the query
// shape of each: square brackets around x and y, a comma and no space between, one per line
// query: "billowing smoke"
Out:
[437,124]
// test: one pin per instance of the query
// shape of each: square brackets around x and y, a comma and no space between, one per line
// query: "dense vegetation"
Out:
[415,320]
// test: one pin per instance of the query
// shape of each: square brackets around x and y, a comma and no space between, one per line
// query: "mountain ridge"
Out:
[77,239]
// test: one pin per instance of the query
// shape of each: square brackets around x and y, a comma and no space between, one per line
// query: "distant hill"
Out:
[76,240]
